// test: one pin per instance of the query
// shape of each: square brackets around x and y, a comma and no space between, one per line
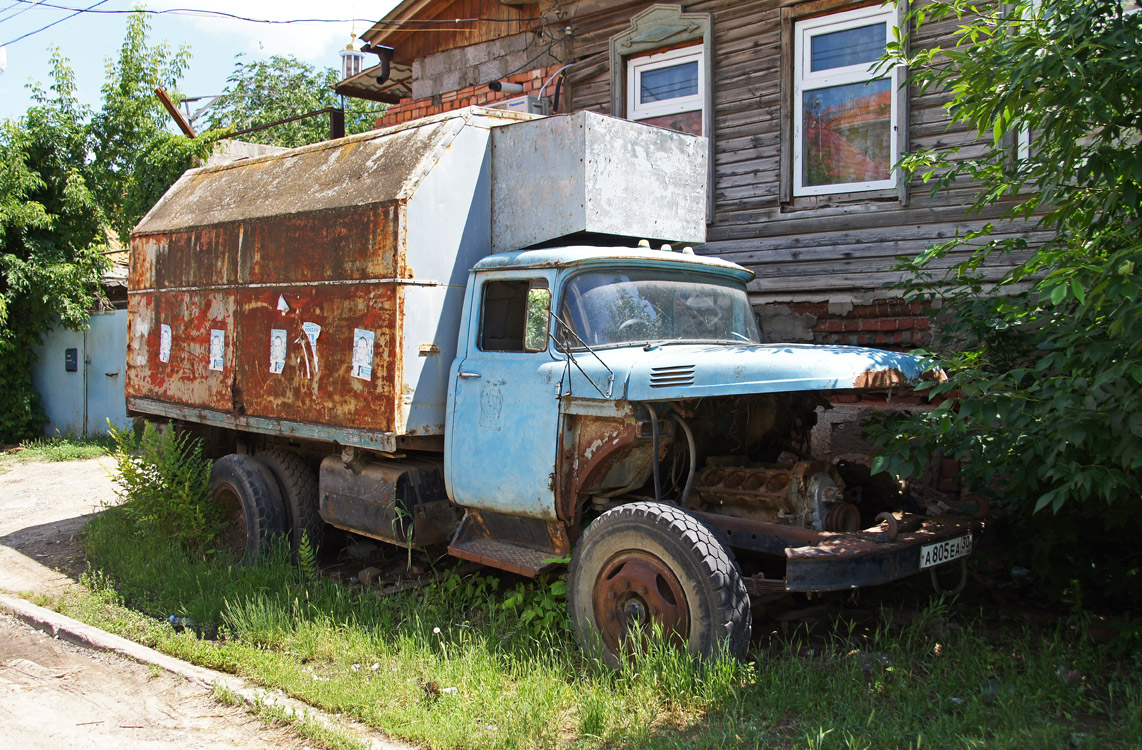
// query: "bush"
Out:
[165,483]
[1042,404]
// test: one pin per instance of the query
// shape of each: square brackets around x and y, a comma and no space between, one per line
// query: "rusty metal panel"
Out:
[318,383]
[262,281]
[185,377]
[355,243]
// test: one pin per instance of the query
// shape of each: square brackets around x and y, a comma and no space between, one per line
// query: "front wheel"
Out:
[649,563]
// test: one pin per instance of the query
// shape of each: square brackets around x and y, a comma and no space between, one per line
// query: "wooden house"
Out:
[802,136]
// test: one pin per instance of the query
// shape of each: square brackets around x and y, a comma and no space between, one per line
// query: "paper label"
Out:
[362,354]
[164,343]
[277,349]
[217,349]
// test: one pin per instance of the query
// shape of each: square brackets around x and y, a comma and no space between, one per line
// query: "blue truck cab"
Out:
[620,405]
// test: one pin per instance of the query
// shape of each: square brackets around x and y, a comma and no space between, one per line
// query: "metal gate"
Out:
[80,376]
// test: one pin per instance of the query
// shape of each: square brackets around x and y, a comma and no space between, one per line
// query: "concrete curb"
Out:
[88,636]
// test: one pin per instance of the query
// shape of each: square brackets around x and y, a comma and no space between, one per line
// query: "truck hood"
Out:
[693,371]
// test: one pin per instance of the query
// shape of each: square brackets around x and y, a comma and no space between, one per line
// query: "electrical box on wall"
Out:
[71,360]
[532,105]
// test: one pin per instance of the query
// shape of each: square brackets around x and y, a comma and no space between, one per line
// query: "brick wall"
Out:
[884,324]
[479,95]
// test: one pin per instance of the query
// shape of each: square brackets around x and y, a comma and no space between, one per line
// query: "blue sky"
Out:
[89,39]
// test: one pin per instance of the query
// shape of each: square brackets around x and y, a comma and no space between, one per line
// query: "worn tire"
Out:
[654,561]
[249,497]
[298,485]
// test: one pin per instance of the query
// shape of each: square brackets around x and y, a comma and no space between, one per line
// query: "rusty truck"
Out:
[445,335]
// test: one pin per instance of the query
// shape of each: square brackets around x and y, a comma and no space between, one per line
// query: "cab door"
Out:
[503,411]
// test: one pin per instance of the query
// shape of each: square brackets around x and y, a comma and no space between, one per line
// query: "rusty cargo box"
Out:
[318,292]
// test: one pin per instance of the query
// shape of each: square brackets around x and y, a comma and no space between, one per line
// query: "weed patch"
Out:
[165,483]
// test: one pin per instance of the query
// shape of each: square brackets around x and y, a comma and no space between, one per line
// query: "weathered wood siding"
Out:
[418,40]
[807,248]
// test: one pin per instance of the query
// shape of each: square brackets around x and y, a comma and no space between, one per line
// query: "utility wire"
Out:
[27,6]
[424,23]
[54,23]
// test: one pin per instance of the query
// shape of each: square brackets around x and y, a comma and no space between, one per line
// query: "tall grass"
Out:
[941,678]
[62,447]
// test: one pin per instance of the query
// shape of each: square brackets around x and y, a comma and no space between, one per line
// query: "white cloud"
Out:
[316,43]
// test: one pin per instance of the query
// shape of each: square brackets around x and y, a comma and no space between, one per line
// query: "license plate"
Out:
[945,551]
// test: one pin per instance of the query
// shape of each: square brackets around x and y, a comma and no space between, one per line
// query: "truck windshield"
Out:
[625,306]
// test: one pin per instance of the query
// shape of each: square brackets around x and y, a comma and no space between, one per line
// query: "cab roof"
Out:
[592,256]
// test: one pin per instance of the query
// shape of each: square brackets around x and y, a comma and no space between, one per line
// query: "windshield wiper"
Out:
[571,357]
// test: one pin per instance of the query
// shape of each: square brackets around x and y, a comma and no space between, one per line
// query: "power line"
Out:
[53,23]
[423,23]
[27,6]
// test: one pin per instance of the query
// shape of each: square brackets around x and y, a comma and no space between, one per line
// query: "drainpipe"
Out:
[86,362]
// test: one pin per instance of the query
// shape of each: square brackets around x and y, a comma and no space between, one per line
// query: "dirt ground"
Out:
[57,695]
[54,694]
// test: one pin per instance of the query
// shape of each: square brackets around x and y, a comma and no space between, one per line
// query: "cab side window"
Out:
[504,316]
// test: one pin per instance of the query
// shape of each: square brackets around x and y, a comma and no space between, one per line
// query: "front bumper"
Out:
[869,557]
[832,561]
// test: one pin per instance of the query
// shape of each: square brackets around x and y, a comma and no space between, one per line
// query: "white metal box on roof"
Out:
[557,176]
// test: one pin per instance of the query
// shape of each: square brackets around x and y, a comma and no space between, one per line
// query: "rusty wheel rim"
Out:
[233,536]
[634,591]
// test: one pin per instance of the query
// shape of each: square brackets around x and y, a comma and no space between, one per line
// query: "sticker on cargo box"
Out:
[312,331]
[217,349]
[164,343]
[362,354]
[277,349]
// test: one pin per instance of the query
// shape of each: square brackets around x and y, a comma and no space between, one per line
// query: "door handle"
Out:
[463,374]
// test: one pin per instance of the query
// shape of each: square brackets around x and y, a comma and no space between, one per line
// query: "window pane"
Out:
[838,49]
[684,122]
[668,83]
[847,132]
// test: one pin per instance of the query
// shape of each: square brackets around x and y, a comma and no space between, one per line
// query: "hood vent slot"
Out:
[664,377]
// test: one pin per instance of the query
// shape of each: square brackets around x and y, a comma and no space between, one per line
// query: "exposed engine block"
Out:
[807,494]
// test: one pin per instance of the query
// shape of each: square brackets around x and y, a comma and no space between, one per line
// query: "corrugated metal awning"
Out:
[364,85]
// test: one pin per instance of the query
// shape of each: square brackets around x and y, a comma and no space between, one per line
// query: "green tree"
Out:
[51,238]
[67,178]
[136,157]
[264,91]
[1043,402]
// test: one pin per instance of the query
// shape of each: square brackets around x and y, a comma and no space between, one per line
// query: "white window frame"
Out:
[804,79]
[636,66]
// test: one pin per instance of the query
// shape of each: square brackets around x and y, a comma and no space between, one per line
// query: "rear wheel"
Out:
[649,563]
[248,495]
[298,485]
